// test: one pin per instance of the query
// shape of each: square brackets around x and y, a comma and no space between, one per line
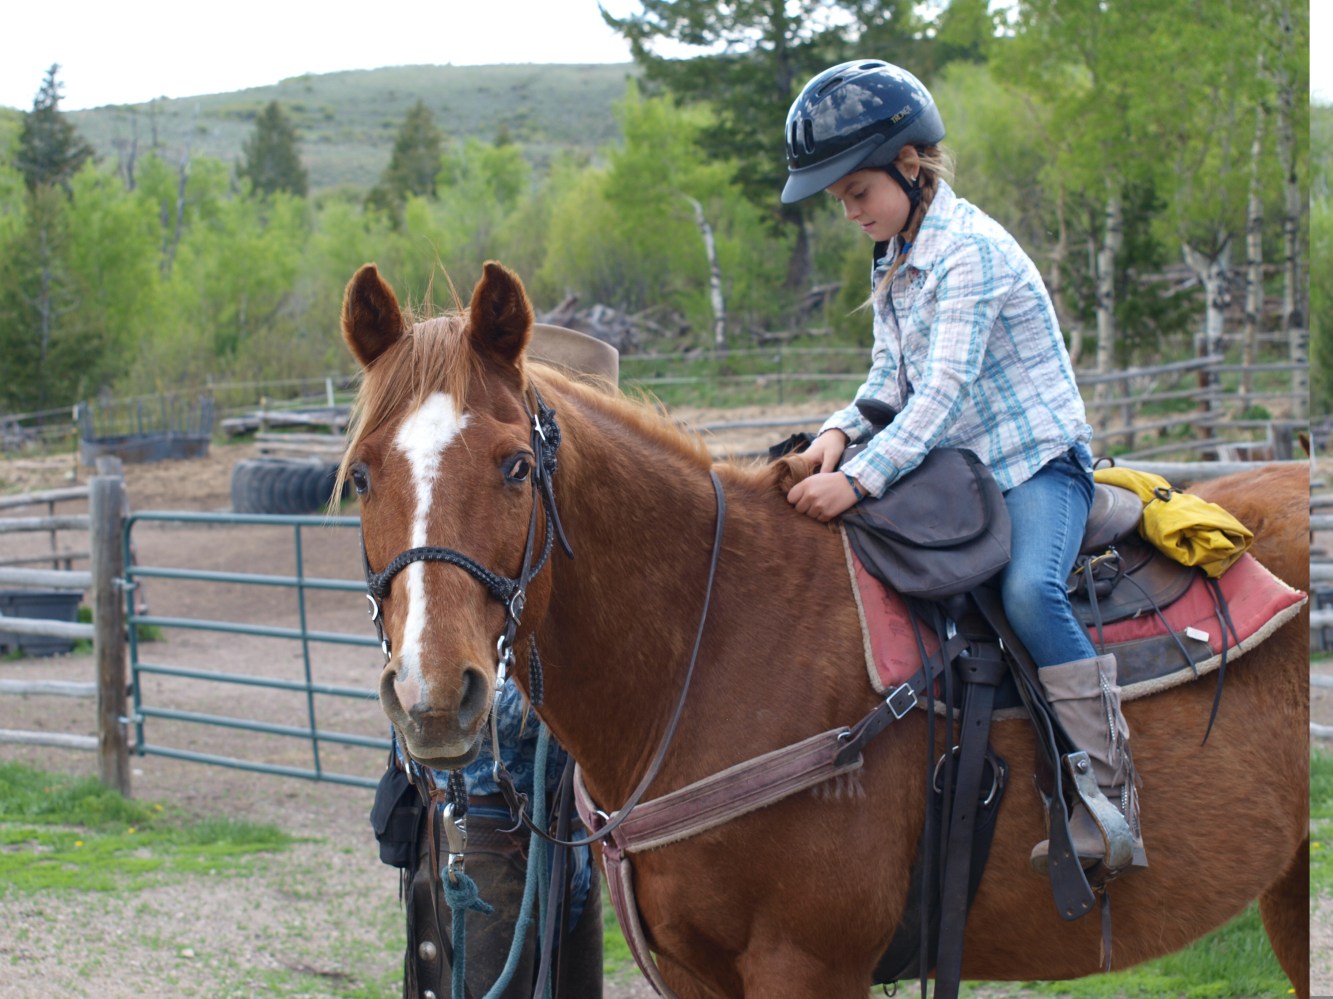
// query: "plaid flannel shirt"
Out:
[968,352]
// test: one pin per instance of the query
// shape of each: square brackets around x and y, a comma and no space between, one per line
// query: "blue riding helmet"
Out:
[856,114]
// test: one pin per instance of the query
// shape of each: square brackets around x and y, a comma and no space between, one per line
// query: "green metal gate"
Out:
[304,687]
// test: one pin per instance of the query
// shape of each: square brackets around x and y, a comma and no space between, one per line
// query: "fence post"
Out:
[106,518]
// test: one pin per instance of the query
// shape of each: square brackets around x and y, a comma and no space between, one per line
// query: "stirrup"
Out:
[1117,837]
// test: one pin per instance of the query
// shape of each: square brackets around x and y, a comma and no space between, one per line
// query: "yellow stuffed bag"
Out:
[1186,527]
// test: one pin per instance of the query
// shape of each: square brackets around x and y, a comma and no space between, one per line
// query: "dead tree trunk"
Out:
[1212,270]
[1254,259]
[1112,237]
[1294,322]
[715,297]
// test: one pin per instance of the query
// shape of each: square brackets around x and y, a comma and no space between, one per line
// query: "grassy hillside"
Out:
[347,121]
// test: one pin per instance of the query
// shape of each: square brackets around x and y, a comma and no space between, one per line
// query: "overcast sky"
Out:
[132,51]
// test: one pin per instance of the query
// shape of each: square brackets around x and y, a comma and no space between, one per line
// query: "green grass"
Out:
[1321,821]
[59,832]
[1234,960]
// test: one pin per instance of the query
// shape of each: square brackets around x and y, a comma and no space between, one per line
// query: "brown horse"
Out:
[798,899]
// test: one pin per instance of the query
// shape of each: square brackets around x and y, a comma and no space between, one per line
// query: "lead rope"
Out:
[530,884]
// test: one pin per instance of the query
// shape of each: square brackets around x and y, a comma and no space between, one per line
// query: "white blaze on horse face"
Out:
[422,437]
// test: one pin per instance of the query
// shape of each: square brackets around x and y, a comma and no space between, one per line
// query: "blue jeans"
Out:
[1048,513]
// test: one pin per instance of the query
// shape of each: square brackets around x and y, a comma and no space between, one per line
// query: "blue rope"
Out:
[467,895]
[461,897]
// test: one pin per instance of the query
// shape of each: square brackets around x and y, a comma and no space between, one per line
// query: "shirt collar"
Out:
[933,235]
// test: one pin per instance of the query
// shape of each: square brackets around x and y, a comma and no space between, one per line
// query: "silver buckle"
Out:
[901,688]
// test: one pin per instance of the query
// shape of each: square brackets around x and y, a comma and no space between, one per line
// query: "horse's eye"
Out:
[518,468]
[360,479]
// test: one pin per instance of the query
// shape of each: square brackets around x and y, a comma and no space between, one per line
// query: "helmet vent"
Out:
[828,86]
[809,134]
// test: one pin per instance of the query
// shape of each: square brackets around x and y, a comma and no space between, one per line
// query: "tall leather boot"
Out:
[1086,700]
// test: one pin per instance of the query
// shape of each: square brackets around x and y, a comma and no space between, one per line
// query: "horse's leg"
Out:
[1285,908]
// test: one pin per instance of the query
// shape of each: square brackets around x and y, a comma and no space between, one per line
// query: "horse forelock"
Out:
[432,357]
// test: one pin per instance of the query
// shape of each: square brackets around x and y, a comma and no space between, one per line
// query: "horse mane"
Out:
[646,418]
[434,356]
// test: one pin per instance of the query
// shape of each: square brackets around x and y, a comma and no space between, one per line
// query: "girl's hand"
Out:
[825,450]
[824,495]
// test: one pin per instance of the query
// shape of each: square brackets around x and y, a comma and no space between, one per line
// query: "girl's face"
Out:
[874,201]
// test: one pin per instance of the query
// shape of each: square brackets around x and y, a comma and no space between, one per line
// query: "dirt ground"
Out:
[173,940]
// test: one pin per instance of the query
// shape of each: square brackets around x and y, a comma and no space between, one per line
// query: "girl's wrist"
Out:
[857,488]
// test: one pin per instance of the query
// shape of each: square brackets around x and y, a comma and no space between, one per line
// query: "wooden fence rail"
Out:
[104,522]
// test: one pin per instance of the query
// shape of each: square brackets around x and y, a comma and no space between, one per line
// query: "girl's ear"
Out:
[909,163]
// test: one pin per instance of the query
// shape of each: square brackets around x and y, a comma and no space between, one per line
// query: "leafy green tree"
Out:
[630,234]
[46,358]
[233,275]
[50,148]
[754,55]
[1321,307]
[413,164]
[111,257]
[183,194]
[479,186]
[270,160]
[1321,256]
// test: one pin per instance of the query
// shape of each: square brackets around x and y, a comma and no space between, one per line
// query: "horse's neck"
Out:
[625,611]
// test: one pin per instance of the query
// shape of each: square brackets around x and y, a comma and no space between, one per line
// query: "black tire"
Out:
[280,486]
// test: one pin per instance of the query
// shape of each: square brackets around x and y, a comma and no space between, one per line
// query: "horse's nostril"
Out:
[474,698]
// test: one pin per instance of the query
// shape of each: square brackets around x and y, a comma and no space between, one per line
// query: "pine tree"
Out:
[50,149]
[414,164]
[271,161]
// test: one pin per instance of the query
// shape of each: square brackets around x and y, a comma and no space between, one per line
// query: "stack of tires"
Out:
[282,485]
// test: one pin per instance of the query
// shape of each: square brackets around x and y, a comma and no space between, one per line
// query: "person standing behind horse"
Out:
[968,353]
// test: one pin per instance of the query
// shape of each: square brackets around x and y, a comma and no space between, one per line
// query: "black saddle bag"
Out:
[940,530]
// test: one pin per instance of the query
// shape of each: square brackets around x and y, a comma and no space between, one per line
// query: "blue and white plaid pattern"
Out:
[969,352]
[517,726]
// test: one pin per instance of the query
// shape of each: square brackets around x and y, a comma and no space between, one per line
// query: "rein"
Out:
[516,800]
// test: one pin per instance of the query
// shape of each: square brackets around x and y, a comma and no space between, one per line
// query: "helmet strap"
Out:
[912,188]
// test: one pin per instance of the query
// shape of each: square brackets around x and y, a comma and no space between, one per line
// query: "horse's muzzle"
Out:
[441,725]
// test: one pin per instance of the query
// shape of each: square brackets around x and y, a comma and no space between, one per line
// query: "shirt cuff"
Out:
[873,479]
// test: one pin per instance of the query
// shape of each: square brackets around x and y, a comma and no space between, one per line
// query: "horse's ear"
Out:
[500,314]
[372,321]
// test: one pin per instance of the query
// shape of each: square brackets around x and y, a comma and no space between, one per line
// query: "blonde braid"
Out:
[935,164]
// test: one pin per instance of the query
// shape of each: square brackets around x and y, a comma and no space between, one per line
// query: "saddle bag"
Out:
[940,530]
